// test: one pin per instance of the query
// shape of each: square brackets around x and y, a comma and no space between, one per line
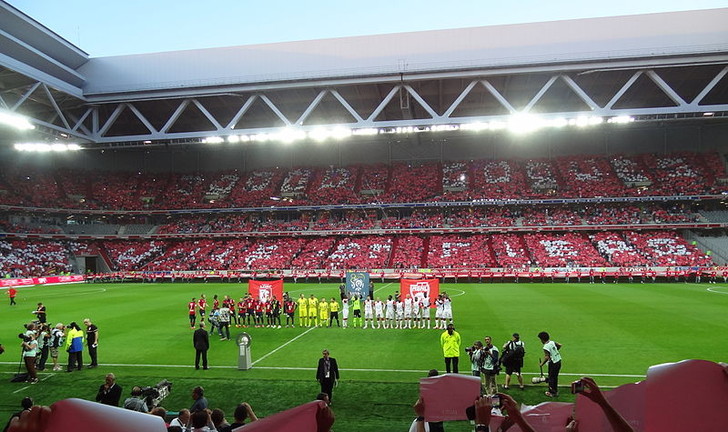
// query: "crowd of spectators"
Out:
[667,248]
[564,176]
[459,251]
[563,250]
[365,252]
[407,252]
[510,250]
[25,258]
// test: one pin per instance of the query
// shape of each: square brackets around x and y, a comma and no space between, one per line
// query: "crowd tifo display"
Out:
[566,212]
[565,177]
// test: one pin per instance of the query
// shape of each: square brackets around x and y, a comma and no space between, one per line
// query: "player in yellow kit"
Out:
[312,311]
[302,311]
[323,312]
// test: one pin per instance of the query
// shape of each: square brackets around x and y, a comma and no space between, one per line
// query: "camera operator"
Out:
[135,402]
[490,366]
[30,352]
[475,353]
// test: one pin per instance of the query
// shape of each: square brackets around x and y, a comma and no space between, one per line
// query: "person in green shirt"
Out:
[356,307]
[450,342]
[302,311]
[312,311]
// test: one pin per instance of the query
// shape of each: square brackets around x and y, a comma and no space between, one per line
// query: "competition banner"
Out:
[419,288]
[357,284]
[264,290]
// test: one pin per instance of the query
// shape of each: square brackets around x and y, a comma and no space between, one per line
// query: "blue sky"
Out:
[119,27]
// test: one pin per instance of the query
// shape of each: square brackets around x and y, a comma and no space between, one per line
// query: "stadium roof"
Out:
[597,61]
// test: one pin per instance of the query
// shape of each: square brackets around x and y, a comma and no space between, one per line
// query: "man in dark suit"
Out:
[327,374]
[201,342]
[109,392]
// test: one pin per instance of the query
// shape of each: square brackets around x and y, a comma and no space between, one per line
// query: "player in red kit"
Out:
[201,306]
[289,308]
[192,306]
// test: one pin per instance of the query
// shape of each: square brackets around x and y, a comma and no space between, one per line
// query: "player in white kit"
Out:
[368,312]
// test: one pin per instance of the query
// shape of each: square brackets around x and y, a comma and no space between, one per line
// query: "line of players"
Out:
[247,312]
[395,312]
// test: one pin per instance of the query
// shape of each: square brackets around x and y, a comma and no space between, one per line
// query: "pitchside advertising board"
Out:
[420,288]
[265,290]
[357,284]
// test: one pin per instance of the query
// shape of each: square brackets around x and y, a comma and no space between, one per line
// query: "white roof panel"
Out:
[634,36]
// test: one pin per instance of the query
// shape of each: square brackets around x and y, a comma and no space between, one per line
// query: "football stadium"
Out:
[318,212]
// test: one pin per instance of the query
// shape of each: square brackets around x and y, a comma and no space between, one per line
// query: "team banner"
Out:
[420,288]
[264,290]
[357,284]
[41,280]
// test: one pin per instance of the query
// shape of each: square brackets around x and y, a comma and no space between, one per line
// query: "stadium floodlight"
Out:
[17,121]
[621,119]
[233,139]
[289,135]
[479,126]
[318,134]
[341,133]
[365,131]
[523,123]
[213,140]
[41,147]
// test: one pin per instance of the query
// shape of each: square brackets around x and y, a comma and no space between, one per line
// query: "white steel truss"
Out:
[396,102]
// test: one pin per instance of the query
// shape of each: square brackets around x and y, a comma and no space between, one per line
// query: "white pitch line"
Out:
[275,350]
[714,291]
[294,368]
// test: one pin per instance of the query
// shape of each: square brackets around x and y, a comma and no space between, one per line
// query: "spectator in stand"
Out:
[182,420]
[109,392]
[591,390]
[242,412]
[26,404]
[201,421]
[160,412]
[217,416]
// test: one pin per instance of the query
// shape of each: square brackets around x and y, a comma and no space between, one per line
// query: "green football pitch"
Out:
[612,332]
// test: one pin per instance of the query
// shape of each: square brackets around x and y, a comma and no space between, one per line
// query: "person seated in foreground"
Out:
[242,411]
[218,419]
[160,412]
[594,393]
[182,420]
[25,404]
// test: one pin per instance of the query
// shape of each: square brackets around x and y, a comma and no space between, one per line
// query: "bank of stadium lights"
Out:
[517,124]
[46,147]
[16,121]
